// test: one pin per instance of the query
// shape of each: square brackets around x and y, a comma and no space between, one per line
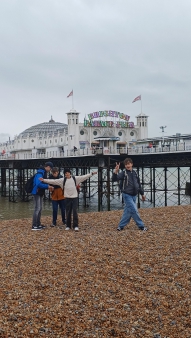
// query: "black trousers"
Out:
[71,205]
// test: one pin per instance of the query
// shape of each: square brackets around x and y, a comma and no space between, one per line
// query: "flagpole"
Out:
[141,104]
[72,99]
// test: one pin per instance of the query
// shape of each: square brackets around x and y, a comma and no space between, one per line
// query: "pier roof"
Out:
[45,127]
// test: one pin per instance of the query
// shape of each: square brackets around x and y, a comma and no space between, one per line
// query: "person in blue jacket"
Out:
[38,193]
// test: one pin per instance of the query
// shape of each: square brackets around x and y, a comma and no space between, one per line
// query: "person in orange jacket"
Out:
[57,198]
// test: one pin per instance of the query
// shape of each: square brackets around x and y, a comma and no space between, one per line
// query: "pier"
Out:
[164,176]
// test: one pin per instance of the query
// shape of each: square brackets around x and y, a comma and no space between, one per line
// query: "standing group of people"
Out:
[64,194]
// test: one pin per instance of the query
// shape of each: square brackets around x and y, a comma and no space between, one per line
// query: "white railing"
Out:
[137,150]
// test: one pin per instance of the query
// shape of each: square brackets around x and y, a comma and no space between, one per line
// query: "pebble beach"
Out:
[97,282]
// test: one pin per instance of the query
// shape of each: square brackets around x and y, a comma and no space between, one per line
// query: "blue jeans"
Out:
[55,204]
[130,210]
[37,210]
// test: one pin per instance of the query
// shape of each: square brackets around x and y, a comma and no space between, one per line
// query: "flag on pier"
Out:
[137,98]
[71,93]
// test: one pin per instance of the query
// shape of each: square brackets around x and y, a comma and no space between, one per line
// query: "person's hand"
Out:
[94,172]
[117,167]
[41,179]
[143,198]
[50,188]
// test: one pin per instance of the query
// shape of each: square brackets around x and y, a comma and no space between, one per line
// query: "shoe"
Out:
[53,225]
[143,229]
[76,229]
[67,228]
[37,228]
[119,229]
[64,222]
[42,226]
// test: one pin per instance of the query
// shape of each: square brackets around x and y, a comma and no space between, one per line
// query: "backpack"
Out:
[77,186]
[29,184]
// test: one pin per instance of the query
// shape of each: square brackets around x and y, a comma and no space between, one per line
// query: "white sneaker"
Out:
[76,229]
[67,228]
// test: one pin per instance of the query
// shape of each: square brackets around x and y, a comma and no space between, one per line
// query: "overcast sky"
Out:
[107,51]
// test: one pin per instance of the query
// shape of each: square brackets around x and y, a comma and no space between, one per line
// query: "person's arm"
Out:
[58,181]
[141,191]
[40,184]
[82,178]
[116,175]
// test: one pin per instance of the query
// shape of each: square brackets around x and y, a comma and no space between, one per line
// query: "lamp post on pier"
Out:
[163,128]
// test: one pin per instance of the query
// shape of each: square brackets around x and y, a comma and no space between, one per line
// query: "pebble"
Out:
[97,282]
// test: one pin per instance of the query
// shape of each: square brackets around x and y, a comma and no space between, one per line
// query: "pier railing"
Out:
[135,150]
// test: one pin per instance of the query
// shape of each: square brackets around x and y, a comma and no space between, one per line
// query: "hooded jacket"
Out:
[38,186]
[70,190]
[129,182]
[57,193]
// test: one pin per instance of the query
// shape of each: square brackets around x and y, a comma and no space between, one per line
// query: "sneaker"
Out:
[64,222]
[42,226]
[67,228]
[119,229]
[37,228]
[76,229]
[53,225]
[143,229]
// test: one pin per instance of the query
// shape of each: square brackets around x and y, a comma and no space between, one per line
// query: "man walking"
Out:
[130,187]
[38,193]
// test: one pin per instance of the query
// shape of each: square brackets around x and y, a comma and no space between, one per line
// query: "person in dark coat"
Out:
[130,187]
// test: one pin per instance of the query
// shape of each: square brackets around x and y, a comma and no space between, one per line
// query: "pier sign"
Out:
[104,114]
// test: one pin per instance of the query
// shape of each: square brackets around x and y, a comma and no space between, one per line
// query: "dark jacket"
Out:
[57,193]
[38,186]
[129,182]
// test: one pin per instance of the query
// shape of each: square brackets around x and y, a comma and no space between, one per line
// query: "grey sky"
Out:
[107,51]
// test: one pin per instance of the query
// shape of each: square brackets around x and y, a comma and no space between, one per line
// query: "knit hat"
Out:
[67,170]
[49,164]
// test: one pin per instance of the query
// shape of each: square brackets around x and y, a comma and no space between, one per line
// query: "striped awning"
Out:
[95,142]
[121,142]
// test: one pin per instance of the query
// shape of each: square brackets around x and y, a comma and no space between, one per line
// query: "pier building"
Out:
[104,131]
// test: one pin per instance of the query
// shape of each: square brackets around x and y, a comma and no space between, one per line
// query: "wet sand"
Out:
[97,282]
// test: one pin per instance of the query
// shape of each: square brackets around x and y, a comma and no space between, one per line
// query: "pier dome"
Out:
[45,128]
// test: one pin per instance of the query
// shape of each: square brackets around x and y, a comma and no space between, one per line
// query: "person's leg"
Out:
[125,219]
[75,212]
[40,211]
[62,208]
[37,211]
[68,204]
[134,213]
[54,211]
